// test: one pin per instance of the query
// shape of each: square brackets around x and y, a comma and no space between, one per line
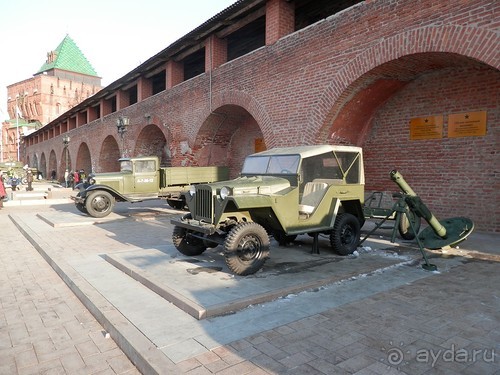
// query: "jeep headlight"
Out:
[91,179]
[192,190]
[225,192]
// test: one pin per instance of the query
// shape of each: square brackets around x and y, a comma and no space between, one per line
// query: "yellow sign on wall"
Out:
[259,145]
[470,124]
[430,127]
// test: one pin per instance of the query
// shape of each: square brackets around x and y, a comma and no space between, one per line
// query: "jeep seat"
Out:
[313,193]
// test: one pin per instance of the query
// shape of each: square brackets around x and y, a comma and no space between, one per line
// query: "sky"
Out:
[114,35]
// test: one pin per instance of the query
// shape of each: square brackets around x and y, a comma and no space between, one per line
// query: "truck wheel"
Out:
[246,248]
[344,237]
[176,205]
[99,203]
[405,230]
[186,244]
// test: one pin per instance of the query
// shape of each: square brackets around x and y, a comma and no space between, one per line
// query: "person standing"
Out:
[76,178]
[29,178]
[3,193]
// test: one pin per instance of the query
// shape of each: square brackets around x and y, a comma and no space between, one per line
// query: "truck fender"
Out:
[119,197]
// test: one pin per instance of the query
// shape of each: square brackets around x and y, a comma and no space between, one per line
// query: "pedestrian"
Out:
[66,177]
[76,178]
[71,179]
[82,175]
[29,178]
[53,175]
[3,193]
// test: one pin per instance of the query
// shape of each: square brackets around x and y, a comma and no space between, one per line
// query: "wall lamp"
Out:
[121,124]
[66,140]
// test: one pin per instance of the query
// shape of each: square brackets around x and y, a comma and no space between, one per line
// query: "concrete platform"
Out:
[203,286]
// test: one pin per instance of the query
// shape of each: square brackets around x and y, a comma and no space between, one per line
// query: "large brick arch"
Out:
[43,165]
[83,159]
[226,137]
[151,141]
[109,155]
[249,104]
[52,164]
[480,45]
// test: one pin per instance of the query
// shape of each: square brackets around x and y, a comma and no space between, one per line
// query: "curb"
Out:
[143,354]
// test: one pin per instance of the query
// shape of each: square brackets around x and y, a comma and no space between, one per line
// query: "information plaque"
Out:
[430,127]
[470,124]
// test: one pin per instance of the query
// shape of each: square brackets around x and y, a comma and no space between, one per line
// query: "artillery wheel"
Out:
[246,248]
[175,204]
[185,243]
[404,228]
[99,203]
[344,237]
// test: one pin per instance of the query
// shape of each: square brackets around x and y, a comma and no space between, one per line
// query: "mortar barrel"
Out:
[417,205]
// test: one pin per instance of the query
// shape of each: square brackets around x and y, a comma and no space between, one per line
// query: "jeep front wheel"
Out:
[344,237]
[99,203]
[187,244]
[246,248]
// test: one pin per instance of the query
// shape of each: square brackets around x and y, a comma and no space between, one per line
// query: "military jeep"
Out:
[281,192]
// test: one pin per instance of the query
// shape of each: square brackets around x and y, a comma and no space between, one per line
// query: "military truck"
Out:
[140,179]
[281,192]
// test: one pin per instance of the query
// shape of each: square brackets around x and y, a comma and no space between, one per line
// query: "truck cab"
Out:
[141,178]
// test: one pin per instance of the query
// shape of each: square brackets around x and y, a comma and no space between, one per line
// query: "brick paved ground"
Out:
[445,324]
[43,327]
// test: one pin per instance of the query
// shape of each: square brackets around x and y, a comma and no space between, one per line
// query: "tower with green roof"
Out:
[67,57]
[65,79]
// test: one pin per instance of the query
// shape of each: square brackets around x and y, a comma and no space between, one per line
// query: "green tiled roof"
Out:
[67,56]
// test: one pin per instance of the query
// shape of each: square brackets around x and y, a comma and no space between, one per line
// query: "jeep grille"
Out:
[203,209]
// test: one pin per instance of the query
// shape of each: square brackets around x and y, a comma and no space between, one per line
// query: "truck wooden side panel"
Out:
[182,176]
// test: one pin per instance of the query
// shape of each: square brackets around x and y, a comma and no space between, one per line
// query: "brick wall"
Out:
[357,77]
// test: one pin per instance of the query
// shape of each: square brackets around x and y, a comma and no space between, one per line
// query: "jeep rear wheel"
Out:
[99,203]
[246,248]
[344,237]
[185,243]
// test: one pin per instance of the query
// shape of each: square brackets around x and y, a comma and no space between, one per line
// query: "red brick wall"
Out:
[357,78]
[453,176]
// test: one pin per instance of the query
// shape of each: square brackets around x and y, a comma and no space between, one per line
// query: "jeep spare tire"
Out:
[344,237]
[99,203]
[246,248]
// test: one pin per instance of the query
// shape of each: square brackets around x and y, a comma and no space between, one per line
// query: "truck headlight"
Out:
[192,190]
[225,192]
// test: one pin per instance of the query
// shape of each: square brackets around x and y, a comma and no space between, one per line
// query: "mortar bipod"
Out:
[439,234]
[400,208]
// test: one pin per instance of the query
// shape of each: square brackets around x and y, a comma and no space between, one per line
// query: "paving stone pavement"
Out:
[44,328]
[445,323]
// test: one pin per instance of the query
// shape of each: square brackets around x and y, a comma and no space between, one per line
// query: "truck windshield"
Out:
[125,166]
[280,164]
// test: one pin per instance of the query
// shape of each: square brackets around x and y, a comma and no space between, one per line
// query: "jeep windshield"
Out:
[279,164]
